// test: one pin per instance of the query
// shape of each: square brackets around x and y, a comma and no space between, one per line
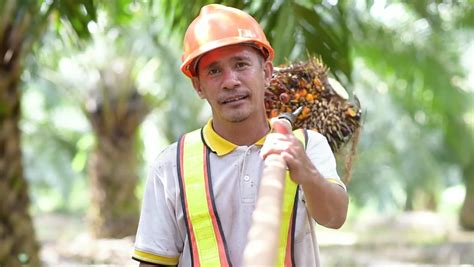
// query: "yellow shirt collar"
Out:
[218,144]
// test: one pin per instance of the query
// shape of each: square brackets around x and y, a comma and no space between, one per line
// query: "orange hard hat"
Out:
[218,26]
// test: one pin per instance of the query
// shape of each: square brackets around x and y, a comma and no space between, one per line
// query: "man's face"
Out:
[233,80]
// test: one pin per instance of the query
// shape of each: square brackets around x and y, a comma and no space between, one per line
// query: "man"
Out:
[202,190]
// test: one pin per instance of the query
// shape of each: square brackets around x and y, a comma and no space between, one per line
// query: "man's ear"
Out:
[197,87]
[267,71]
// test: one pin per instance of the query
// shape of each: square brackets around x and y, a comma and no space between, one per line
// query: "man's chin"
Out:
[237,117]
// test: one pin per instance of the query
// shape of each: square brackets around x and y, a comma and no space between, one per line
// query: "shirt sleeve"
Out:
[320,153]
[157,240]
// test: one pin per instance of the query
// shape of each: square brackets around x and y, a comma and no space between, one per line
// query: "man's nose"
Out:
[230,79]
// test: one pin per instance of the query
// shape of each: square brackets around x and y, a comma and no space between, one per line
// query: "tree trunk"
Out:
[17,237]
[421,198]
[115,118]
[112,171]
[409,200]
[467,210]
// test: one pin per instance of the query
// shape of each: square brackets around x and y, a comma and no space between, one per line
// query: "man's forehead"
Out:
[232,52]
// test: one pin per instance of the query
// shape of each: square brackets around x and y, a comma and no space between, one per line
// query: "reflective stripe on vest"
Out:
[206,238]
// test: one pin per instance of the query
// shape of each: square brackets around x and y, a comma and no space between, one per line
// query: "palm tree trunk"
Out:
[17,237]
[467,210]
[112,171]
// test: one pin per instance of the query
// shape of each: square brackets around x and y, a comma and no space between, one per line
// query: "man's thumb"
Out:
[282,126]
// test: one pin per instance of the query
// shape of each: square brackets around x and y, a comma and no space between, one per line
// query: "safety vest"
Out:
[207,242]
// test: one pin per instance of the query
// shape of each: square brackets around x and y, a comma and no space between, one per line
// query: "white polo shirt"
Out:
[236,171]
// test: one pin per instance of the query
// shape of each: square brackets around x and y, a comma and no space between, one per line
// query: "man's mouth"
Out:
[234,99]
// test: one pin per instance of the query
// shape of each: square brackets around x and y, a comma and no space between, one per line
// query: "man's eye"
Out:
[241,65]
[213,71]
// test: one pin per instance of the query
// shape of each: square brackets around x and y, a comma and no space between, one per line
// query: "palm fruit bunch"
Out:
[326,105]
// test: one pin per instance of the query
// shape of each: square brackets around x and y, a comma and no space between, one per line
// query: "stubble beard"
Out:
[237,116]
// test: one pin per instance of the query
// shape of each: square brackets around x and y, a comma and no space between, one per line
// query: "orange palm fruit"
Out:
[274,113]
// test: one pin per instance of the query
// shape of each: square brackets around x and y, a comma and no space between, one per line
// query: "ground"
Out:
[410,239]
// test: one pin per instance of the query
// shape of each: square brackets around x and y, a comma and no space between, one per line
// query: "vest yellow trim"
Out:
[285,253]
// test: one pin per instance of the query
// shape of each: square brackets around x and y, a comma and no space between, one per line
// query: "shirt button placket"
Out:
[248,193]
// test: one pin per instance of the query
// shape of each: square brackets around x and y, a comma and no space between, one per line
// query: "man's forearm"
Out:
[327,202]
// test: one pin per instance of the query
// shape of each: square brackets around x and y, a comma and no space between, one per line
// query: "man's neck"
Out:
[243,133]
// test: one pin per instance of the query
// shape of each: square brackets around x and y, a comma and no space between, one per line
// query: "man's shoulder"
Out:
[167,156]
[168,153]
[315,136]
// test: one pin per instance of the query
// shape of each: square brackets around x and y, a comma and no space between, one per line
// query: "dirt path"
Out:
[396,242]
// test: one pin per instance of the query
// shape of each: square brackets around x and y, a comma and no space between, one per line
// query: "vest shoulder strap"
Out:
[289,212]
[205,235]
